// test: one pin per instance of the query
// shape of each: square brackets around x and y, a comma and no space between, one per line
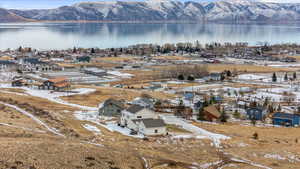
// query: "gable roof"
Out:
[142,101]
[57,80]
[213,111]
[152,123]
[285,115]
[255,109]
[115,102]
[60,85]
[6,62]
[135,108]
[34,61]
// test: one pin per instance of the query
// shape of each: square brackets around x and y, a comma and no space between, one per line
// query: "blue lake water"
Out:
[104,35]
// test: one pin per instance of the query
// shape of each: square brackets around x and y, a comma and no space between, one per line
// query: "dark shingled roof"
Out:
[115,102]
[135,108]
[6,62]
[34,61]
[285,115]
[152,123]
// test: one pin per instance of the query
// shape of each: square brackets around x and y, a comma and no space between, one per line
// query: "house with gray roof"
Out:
[111,108]
[152,127]
[142,120]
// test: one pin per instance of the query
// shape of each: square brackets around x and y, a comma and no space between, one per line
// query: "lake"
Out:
[108,35]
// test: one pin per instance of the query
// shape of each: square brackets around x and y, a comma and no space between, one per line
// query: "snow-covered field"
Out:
[92,128]
[93,116]
[120,74]
[196,131]
[54,96]
[50,129]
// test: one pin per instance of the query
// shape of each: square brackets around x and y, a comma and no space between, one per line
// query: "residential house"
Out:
[18,83]
[142,120]
[144,102]
[286,119]
[152,127]
[246,89]
[189,95]
[198,105]
[111,108]
[95,71]
[215,76]
[83,59]
[57,84]
[6,65]
[211,113]
[34,64]
[255,113]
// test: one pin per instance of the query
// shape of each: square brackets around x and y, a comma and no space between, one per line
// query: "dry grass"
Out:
[38,102]
[187,84]
[117,59]
[103,93]
[271,140]
[12,117]
[238,67]
[239,85]
[16,90]
[172,58]
[246,68]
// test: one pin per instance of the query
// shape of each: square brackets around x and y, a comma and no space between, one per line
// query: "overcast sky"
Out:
[35,4]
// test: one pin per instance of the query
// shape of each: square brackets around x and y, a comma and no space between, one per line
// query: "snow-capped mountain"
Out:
[166,10]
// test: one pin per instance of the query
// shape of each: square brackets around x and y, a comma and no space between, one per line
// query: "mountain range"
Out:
[161,11]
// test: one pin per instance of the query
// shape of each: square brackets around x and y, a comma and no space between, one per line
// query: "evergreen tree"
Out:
[279,108]
[274,77]
[270,109]
[266,102]
[205,103]
[212,100]
[190,78]
[253,121]
[180,103]
[93,50]
[235,93]
[286,77]
[228,73]
[224,117]
[237,114]
[298,110]
[201,115]
[222,76]
[20,49]
[180,77]
[74,50]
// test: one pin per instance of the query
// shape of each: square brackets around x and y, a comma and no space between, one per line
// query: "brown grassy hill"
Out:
[7,16]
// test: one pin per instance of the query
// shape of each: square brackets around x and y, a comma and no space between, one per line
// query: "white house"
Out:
[142,120]
[152,127]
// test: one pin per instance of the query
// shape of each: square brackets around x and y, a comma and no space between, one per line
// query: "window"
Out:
[139,117]
[156,131]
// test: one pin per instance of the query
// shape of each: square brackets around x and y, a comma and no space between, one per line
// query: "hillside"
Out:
[162,11]
[7,16]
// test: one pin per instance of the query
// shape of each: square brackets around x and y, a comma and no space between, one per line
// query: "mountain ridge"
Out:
[165,10]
